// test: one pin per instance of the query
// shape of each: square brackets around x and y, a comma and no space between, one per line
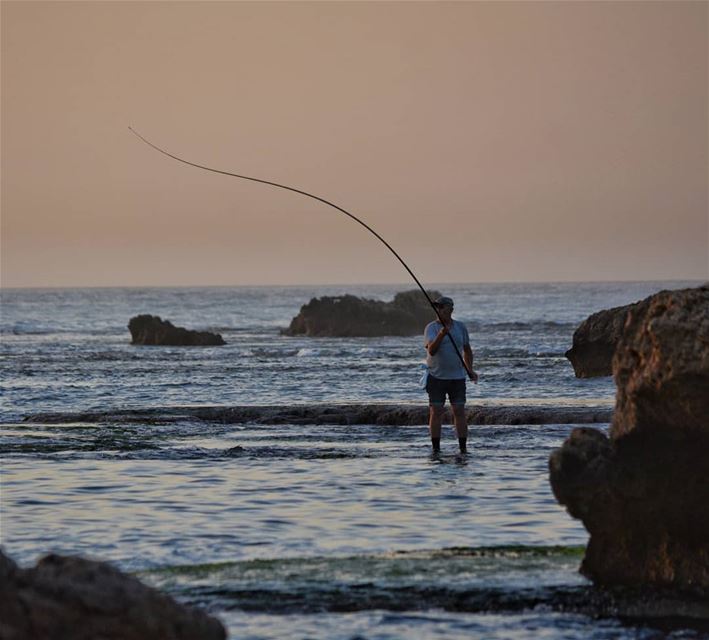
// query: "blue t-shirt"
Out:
[446,364]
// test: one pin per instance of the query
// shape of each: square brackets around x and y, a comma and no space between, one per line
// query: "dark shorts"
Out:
[437,389]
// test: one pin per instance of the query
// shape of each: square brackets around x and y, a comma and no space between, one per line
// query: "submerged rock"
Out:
[152,330]
[351,316]
[72,598]
[643,493]
[594,342]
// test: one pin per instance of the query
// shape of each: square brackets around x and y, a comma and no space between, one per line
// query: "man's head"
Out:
[443,301]
[444,304]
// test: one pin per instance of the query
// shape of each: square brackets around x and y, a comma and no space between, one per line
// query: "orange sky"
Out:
[496,141]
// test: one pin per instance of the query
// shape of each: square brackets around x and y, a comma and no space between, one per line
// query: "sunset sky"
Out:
[486,141]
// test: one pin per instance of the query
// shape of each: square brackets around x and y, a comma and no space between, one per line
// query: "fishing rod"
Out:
[327,202]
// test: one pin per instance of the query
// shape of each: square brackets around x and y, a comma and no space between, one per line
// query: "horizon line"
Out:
[342,284]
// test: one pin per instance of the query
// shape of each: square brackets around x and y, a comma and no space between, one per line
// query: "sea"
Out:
[307,530]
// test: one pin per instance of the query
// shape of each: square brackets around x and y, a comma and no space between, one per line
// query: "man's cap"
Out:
[444,301]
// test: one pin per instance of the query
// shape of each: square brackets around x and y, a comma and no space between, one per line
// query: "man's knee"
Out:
[437,411]
[458,411]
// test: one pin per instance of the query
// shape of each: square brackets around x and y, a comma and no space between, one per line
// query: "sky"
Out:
[485,141]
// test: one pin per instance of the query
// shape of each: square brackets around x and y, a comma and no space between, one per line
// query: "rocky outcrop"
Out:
[152,330]
[643,493]
[661,367]
[594,342]
[71,598]
[350,316]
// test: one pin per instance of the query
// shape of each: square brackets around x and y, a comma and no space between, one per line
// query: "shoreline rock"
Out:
[350,316]
[73,598]
[643,494]
[378,414]
[154,331]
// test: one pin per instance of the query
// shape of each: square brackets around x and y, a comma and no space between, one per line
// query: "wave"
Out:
[307,352]
[537,325]
[29,328]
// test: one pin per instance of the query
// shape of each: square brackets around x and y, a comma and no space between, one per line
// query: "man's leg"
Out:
[461,426]
[435,420]
[436,402]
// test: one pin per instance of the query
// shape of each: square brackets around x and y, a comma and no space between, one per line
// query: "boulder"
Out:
[642,493]
[72,598]
[152,330]
[594,342]
[661,367]
[351,316]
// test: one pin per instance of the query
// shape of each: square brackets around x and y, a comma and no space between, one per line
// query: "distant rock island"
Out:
[152,330]
[350,316]
[643,493]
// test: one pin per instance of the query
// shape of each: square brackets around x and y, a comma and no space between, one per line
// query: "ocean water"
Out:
[305,531]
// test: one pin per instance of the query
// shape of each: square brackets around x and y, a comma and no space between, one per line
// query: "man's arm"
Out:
[432,347]
[468,359]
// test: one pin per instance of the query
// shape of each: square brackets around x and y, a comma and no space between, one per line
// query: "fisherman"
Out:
[446,372]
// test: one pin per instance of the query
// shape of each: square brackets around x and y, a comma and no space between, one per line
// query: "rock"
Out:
[152,330]
[72,598]
[594,342]
[662,366]
[320,413]
[350,316]
[643,493]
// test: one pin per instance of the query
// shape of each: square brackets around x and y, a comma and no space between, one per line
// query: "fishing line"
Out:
[327,202]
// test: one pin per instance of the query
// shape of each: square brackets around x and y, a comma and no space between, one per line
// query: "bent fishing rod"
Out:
[330,204]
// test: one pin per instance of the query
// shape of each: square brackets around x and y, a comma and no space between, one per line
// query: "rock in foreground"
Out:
[595,341]
[71,598]
[152,330]
[350,316]
[661,367]
[643,493]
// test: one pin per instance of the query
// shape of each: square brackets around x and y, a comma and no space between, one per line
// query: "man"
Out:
[446,372]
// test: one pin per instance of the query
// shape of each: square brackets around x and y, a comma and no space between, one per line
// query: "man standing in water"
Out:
[446,372]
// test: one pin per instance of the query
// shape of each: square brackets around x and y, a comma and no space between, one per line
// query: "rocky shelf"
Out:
[381,414]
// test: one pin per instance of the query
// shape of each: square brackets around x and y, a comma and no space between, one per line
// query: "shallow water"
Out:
[189,493]
[302,531]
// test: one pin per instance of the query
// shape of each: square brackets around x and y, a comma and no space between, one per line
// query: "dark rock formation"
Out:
[71,598]
[661,367]
[383,414]
[152,330]
[594,342]
[643,494]
[350,316]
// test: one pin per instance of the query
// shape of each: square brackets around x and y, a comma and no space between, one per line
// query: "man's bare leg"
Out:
[435,421]
[461,426]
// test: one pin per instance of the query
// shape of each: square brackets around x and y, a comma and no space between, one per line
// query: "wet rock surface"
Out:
[152,330]
[643,493]
[68,597]
[350,316]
